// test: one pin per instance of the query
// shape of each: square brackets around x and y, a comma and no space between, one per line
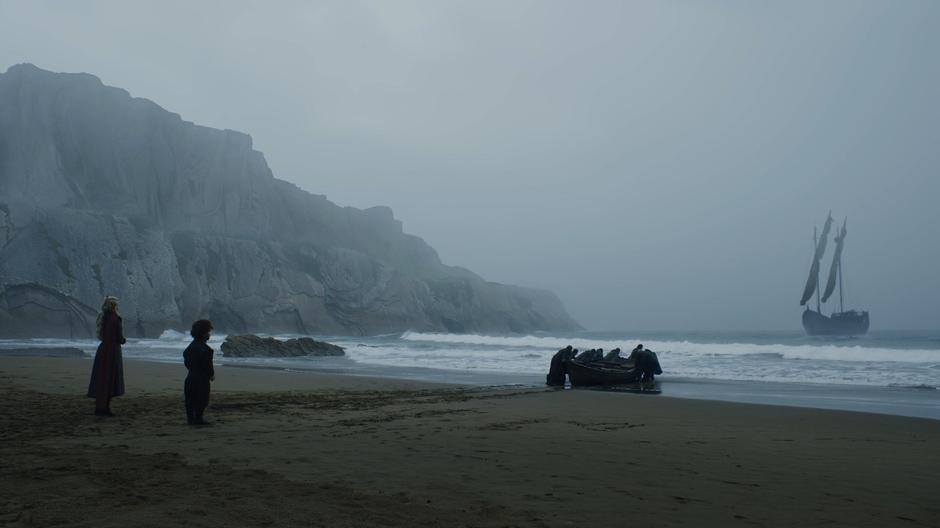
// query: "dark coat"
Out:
[559,367]
[107,373]
[646,362]
[198,359]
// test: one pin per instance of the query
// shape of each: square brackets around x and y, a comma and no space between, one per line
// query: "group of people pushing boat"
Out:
[642,360]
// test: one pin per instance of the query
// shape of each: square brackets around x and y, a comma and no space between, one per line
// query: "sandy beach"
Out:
[312,449]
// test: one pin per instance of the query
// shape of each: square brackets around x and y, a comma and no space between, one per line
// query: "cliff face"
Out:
[102,193]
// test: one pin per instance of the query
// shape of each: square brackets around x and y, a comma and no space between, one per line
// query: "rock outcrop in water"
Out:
[253,346]
[102,193]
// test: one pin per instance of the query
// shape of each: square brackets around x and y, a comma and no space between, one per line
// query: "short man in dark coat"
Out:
[198,359]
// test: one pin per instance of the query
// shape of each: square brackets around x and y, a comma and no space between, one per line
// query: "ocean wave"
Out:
[173,335]
[49,342]
[810,351]
[920,386]
[477,339]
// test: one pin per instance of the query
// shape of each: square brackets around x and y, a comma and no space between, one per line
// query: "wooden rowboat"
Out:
[641,367]
[598,373]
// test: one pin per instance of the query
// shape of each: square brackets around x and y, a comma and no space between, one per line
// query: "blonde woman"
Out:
[107,374]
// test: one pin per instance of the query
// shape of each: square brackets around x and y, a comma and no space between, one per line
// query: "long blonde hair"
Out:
[109,304]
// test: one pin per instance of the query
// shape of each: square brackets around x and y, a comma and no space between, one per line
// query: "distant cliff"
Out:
[102,193]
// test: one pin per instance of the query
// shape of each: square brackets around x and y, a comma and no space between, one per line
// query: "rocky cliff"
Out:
[103,193]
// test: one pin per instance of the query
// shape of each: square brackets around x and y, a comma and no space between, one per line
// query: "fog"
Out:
[659,165]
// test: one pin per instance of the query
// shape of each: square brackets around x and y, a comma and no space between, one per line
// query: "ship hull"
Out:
[839,324]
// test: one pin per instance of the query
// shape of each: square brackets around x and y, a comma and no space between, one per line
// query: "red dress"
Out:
[107,374]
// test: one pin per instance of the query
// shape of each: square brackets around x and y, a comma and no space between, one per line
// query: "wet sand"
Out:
[313,449]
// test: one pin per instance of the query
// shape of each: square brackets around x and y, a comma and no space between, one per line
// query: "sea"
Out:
[883,372]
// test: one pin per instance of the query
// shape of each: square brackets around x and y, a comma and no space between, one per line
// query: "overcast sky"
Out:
[659,165]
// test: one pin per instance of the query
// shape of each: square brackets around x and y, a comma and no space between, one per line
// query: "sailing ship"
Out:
[841,323]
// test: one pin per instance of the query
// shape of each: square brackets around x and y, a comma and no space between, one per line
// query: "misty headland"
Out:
[105,194]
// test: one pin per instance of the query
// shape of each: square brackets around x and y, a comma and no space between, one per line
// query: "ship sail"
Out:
[813,279]
[810,282]
[836,262]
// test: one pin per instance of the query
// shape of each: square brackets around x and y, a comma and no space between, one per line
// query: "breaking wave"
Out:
[807,351]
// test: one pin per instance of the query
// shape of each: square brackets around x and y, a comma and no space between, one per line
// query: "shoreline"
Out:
[305,448]
[893,401]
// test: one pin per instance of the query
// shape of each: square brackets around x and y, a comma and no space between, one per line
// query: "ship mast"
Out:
[841,301]
[835,270]
[816,248]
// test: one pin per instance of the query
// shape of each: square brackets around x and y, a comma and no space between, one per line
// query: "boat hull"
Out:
[642,367]
[582,375]
[839,324]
